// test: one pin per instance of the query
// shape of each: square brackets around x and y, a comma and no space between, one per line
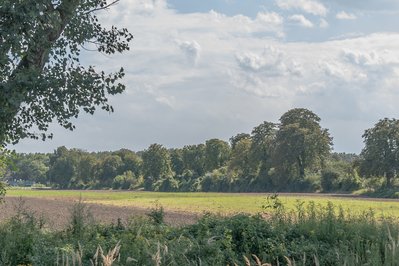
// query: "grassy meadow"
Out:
[219,203]
[301,233]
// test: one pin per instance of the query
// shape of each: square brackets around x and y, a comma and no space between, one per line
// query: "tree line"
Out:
[294,154]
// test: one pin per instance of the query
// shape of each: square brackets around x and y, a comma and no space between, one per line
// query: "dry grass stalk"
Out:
[107,259]
[257,261]
[72,259]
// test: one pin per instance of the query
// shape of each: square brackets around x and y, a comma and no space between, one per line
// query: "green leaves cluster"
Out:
[301,142]
[272,157]
[380,156]
[41,77]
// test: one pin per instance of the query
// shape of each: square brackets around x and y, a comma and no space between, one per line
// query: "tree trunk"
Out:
[389,176]
[301,168]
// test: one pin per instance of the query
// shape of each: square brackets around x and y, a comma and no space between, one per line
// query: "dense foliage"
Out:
[381,151]
[265,160]
[313,235]
[41,78]
[293,155]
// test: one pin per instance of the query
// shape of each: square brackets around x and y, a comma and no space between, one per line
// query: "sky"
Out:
[205,69]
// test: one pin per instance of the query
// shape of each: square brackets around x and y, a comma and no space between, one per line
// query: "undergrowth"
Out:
[310,235]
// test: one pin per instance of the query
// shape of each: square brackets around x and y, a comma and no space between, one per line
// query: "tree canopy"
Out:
[380,156]
[293,155]
[156,163]
[301,142]
[41,78]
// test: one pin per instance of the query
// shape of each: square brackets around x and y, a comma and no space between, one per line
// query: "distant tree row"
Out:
[292,155]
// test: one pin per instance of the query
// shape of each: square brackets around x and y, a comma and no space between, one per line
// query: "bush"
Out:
[157,215]
[167,184]
[124,181]
[216,181]
[80,219]
[18,236]
[311,235]
[329,181]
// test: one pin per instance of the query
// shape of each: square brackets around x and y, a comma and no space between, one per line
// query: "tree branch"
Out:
[102,8]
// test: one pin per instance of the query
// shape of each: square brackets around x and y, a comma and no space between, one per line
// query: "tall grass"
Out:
[310,235]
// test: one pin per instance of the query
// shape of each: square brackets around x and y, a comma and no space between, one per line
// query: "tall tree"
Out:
[41,78]
[32,167]
[262,145]
[235,139]
[131,161]
[176,157]
[156,163]
[110,167]
[380,156]
[86,174]
[217,153]
[62,168]
[301,142]
[240,160]
[194,158]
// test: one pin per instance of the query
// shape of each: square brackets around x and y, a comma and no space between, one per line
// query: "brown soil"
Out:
[56,212]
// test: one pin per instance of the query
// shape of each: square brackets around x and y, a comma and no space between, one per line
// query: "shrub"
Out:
[329,181]
[124,181]
[18,236]
[167,184]
[312,235]
[80,219]
[157,214]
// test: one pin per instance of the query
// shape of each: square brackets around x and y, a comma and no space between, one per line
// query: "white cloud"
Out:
[369,5]
[270,18]
[323,23]
[265,74]
[363,58]
[236,82]
[309,6]
[301,20]
[272,62]
[192,50]
[345,16]
[143,7]
[338,71]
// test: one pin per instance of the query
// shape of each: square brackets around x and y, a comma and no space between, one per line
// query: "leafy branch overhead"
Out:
[41,78]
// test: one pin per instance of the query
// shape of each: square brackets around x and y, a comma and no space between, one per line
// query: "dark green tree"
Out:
[176,157]
[235,139]
[32,167]
[301,143]
[131,161]
[86,170]
[380,155]
[62,168]
[262,145]
[156,164]
[240,160]
[217,153]
[194,159]
[41,78]
[110,167]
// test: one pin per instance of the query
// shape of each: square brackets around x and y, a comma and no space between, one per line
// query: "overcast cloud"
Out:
[215,68]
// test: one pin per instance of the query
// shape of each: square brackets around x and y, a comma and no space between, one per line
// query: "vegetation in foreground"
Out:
[312,235]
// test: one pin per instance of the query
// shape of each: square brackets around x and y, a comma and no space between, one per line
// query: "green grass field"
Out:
[223,203]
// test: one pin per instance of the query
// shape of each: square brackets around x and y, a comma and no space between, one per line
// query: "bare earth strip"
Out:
[56,212]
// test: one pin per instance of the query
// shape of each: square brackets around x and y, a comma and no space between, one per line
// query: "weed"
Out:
[157,214]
